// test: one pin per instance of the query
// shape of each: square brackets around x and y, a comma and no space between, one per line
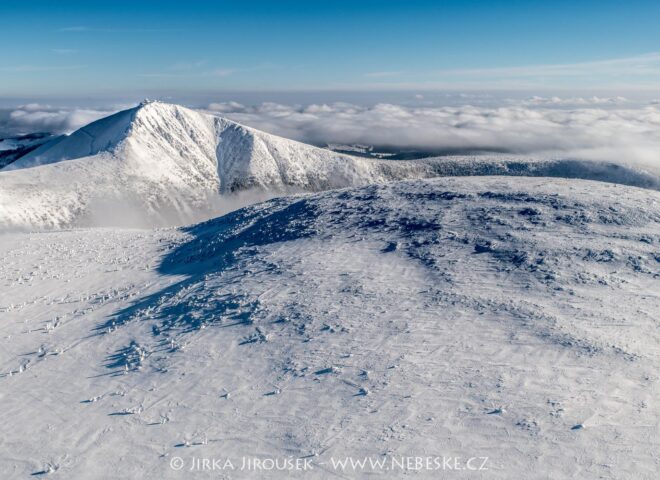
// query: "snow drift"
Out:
[457,317]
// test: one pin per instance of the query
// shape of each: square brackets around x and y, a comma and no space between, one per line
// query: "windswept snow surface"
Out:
[160,164]
[507,318]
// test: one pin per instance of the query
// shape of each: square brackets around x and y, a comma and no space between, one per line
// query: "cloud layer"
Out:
[593,128]
[534,126]
[35,117]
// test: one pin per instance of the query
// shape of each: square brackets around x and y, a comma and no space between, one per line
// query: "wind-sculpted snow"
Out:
[523,231]
[160,164]
[508,318]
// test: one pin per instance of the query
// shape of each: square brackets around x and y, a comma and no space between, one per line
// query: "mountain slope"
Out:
[163,141]
[160,164]
[507,318]
[99,136]
[13,148]
[165,164]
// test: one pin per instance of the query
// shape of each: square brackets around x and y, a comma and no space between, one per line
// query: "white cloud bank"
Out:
[35,117]
[535,126]
[595,128]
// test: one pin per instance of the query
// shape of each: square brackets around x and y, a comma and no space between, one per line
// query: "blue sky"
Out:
[96,48]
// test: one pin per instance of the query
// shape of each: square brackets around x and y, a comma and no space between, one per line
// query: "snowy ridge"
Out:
[160,164]
[164,164]
[458,317]
[158,140]
[100,136]
[13,148]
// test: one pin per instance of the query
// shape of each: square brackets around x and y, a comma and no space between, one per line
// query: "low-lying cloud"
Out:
[592,128]
[36,117]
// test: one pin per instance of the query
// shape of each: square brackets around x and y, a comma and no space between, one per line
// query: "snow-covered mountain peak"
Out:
[109,134]
[170,163]
[173,165]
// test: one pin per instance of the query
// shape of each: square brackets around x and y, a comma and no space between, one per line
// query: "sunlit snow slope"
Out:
[161,164]
[508,318]
[165,164]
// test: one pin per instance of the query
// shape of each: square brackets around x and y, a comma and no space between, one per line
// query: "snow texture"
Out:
[370,311]
[499,317]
